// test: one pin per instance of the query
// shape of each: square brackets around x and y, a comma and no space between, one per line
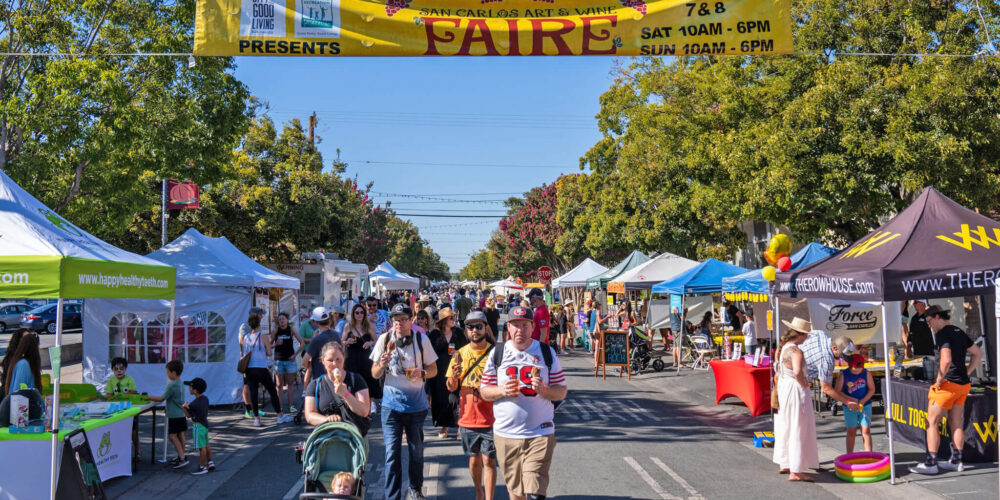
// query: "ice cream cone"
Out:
[535,372]
[337,375]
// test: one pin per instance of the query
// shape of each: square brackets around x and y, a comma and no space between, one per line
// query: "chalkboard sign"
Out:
[78,476]
[615,351]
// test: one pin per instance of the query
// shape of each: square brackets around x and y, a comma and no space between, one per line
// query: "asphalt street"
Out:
[658,436]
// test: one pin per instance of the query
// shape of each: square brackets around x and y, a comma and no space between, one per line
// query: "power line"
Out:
[459,216]
[441,164]
[459,224]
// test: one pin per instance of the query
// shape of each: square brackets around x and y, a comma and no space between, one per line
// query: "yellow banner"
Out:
[491,27]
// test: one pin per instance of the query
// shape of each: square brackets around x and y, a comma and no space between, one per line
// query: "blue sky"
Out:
[442,128]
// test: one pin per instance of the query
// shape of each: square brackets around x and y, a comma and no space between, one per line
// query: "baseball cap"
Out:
[337,308]
[520,313]
[197,383]
[535,293]
[935,309]
[475,316]
[401,310]
[320,314]
[257,310]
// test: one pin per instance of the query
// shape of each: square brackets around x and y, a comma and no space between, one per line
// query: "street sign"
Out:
[545,275]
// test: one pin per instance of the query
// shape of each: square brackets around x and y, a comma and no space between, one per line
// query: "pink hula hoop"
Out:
[881,460]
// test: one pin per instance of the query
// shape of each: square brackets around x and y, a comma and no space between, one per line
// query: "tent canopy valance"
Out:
[703,278]
[579,274]
[935,248]
[389,278]
[644,276]
[634,259]
[205,261]
[43,255]
[754,282]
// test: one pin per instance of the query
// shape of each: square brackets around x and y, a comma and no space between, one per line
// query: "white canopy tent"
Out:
[388,278]
[505,287]
[215,283]
[45,256]
[577,277]
[661,268]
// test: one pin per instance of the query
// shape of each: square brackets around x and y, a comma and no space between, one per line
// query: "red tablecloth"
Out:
[738,379]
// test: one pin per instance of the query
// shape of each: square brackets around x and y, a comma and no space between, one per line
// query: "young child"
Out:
[176,423]
[197,411]
[857,383]
[342,484]
[119,383]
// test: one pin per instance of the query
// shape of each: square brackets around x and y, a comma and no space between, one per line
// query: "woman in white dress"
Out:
[795,445]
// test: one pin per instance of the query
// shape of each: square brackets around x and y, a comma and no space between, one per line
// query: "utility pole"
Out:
[312,127]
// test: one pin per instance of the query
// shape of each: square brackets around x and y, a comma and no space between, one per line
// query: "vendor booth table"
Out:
[909,407]
[26,458]
[750,384]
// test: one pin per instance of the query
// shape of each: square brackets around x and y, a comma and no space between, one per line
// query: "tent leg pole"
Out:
[170,356]
[772,336]
[887,390]
[54,468]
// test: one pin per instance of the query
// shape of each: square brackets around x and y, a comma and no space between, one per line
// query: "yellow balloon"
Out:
[769,273]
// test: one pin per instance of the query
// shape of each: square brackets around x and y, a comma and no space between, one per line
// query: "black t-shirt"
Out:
[199,410]
[920,336]
[329,403]
[952,337]
[734,320]
[285,350]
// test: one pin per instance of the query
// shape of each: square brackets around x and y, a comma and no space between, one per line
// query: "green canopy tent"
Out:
[600,282]
[43,255]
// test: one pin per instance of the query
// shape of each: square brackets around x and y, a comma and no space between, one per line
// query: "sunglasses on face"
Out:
[476,326]
[359,311]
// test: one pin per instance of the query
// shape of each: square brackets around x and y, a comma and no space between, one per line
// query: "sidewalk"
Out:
[697,388]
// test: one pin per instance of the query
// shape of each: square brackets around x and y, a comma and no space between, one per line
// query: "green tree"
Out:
[92,133]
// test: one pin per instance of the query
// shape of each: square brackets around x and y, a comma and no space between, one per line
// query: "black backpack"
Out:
[546,357]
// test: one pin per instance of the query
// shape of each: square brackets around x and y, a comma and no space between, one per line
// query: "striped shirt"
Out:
[818,352]
[526,415]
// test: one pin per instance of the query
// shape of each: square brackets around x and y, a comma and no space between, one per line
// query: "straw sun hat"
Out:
[799,325]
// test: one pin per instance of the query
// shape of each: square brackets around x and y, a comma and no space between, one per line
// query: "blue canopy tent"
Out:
[704,278]
[754,282]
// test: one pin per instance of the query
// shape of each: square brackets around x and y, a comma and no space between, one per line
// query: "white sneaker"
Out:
[952,466]
[256,422]
[284,419]
[923,468]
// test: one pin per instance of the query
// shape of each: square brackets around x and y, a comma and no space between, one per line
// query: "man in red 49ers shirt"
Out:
[523,386]
[541,320]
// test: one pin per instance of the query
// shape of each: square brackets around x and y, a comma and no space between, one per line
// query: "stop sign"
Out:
[545,274]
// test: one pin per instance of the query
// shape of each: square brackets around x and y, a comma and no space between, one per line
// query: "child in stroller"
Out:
[331,449]
[640,354]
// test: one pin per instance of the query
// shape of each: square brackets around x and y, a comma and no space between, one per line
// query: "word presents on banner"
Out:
[494,28]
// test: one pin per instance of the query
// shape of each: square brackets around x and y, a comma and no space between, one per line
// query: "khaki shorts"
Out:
[525,463]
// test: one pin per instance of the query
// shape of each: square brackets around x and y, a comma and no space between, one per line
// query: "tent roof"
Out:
[203,260]
[45,256]
[935,248]
[579,274]
[753,281]
[703,278]
[388,277]
[657,269]
[634,259]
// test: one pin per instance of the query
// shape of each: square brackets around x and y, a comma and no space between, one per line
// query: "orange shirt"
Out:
[475,412]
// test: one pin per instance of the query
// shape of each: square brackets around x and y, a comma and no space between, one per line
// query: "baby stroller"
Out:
[331,448]
[641,356]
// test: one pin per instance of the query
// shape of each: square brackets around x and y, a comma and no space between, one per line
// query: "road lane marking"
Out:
[677,477]
[597,410]
[296,488]
[649,480]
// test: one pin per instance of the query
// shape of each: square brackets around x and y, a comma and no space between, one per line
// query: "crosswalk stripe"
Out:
[649,480]
[677,477]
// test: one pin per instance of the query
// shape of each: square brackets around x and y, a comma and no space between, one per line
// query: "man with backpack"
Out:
[524,379]
[475,421]
[406,359]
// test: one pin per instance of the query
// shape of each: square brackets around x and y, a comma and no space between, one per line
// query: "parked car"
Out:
[43,318]
[10,314]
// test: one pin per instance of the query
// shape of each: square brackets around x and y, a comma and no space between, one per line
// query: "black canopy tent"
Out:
[935,248]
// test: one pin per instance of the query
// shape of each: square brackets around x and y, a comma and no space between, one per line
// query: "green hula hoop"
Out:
[873,479]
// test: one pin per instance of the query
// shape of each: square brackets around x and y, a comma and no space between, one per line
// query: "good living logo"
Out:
[842,317]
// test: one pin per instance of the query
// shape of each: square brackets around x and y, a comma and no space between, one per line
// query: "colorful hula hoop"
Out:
[872,479]
[877,461]
[862,473]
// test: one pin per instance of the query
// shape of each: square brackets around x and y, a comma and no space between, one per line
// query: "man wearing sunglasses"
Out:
[376,316]
[475,421]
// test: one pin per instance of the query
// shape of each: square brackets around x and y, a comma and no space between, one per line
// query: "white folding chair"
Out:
[702,348]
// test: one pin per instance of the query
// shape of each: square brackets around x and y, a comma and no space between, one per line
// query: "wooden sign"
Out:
[615,351]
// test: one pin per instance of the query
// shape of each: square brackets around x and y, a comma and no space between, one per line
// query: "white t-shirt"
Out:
[527,415]
[400,393]
[749,334]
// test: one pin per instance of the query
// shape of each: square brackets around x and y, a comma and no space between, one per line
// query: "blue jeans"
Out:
[393,425]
